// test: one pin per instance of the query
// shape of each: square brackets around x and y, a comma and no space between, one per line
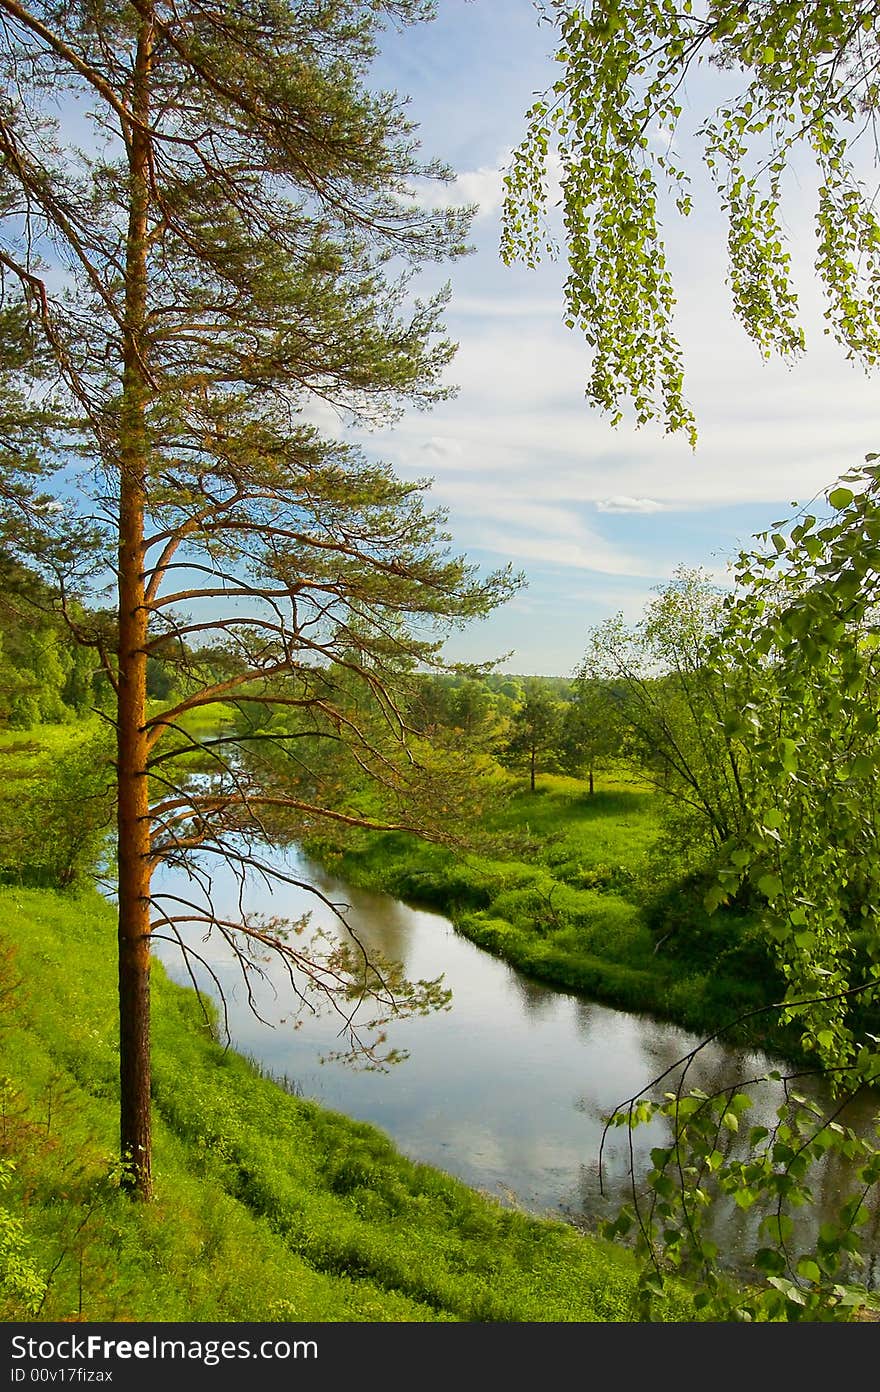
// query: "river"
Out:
[509,1088]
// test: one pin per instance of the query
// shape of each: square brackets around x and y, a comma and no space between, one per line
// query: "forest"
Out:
[225,632]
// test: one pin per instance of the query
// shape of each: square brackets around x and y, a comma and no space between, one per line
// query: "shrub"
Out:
[730,940]
[52,836]
[22,1287]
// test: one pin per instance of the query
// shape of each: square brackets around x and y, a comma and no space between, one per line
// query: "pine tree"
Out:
[233,253]
[534,729]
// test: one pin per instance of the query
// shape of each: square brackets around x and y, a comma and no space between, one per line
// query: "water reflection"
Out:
[380,922]
[537,999]
[510,1089]
[584,1015]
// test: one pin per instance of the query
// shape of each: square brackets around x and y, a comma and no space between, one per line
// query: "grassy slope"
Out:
[567,906]
[267,1207]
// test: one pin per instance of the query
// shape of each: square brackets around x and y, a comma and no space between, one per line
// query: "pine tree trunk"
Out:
[533,768]
[591,782]
[133,824]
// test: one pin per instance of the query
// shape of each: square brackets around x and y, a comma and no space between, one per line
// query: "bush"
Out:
[730,940]
[53,834]
[22,1287]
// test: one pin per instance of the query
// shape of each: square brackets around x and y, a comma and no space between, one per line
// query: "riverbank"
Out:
[583,905]
[268,1206]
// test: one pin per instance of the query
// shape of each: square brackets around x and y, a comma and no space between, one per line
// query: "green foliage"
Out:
[705,1170]
[590,729]
[534,731]
[732,940]
[54,829]
[22,1286]
[33,424]
[800,656]
[45,675]
[668,698]
[807,78]
[795,661]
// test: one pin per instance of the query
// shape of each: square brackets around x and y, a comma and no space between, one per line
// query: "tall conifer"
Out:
[226,253]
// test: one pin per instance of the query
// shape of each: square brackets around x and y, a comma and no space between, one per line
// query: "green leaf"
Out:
[840,497]
[744,1198]
[714,898]
[788,755]
[770,885]
[788,1289]
[770,1259]
[863,766]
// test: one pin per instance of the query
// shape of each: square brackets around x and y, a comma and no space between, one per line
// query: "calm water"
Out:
[509,1088]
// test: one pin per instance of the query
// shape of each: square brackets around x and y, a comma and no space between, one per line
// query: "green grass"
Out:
[267,1207]
[24,754]
[199,721]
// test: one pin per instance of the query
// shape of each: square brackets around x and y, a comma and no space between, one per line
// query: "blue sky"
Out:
[597,516]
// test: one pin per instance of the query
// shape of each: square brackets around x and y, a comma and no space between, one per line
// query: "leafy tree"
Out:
[534,729]
[807,77]
[508,687]
[236,253]
[801,630]
[44,674]
[472,706]
[430,705]
[590,729]
[670,698]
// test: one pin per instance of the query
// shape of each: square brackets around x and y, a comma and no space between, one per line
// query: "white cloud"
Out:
[519,306]
[620,503]
[484,187]
[768,433]
[588,552]
[442,447]
[513,523]
[661,140]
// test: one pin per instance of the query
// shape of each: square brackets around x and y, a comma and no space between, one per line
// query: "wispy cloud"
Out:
[441,447]
[588,552]
[483,187]
[620,503]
